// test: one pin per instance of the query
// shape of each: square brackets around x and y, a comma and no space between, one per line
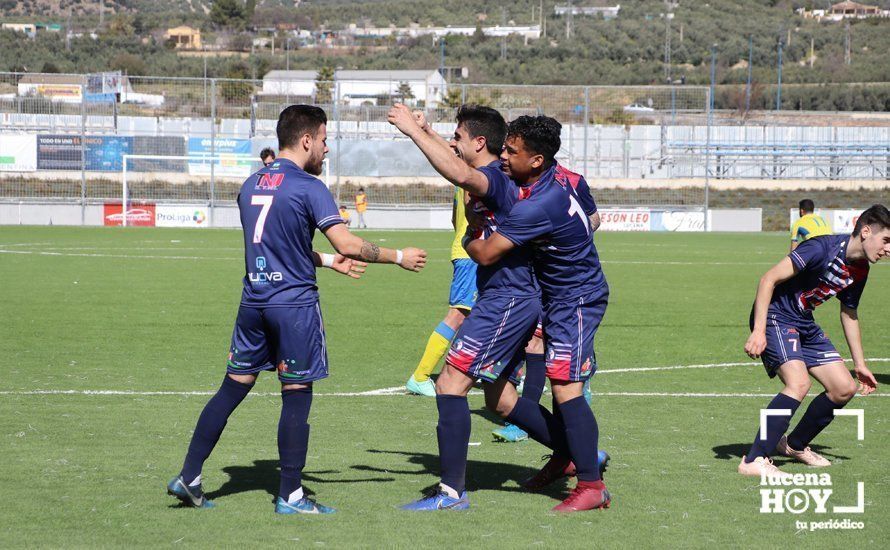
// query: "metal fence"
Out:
[62,140]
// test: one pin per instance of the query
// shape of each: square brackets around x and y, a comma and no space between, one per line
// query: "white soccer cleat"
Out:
[761,467]
[807,456]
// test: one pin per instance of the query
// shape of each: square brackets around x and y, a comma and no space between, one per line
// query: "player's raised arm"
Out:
[357,248]
[850,324]
[443,160]
[779,273]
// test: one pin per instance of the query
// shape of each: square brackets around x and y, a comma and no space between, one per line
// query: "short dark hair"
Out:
[807,205]
[540,134]
[486,122]
[296,121]
[267,152]
[875,214]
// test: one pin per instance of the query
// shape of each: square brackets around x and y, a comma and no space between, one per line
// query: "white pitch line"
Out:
[126,256]
[234,259]
[383,392]
[400,390]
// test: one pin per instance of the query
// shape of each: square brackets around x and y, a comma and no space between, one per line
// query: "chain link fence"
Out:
[63,138]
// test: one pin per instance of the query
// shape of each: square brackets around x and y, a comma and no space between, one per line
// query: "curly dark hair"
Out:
[540,134]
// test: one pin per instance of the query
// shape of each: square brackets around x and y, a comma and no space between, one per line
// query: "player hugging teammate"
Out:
[536,232]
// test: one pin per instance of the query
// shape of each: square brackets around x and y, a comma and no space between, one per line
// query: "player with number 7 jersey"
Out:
[279,325]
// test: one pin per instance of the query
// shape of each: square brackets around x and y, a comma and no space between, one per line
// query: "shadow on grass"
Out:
[882,378]
[490,476]
[735,451]
[263,475]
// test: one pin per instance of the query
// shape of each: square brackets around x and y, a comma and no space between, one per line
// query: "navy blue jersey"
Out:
[281,206]
[551,215]
[512,275]
[823,272]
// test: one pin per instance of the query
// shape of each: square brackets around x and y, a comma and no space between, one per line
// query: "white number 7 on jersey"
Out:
[266,202]
[576,210]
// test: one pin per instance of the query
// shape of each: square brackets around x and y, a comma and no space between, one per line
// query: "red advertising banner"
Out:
[137,214]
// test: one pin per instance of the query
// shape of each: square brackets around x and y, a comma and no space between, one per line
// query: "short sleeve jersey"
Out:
[281,206]
[823,272]
[551,216]
[809,226]
[460,225]
[512,275]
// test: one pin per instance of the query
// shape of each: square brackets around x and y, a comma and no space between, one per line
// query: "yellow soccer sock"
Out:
[436,347]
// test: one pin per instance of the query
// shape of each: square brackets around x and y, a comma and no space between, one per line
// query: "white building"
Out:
[608,12]
[529,32]
[356,88]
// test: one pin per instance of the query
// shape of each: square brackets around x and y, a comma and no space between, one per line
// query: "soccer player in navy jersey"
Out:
[279,325]
[489,343]
[551,216]
[793,347]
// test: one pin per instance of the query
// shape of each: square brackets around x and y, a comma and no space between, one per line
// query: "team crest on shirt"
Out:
[269,182]
[585,368]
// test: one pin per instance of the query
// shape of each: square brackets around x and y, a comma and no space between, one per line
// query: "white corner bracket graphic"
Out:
[860,502]
[766,413]
[860,420]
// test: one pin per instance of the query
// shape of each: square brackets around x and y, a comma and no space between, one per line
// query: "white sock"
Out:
[448,490]
[196,481]
[295,496]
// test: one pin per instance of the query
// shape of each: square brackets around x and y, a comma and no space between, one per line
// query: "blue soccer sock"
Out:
[775,427]
[535,376]
[819,414]
[210,426]
[293,439]
[541,425]
[582,434]
[453,433]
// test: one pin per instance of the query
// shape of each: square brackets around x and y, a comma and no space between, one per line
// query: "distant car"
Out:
[636,108]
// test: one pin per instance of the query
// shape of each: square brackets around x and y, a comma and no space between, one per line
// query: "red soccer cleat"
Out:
[556,468]
[587,495]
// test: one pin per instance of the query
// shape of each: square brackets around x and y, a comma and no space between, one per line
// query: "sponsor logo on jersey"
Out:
[269,182]
[263,277]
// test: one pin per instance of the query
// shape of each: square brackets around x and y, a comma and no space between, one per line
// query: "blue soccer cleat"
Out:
[437,499]
[511,433]
[190,496]
[602,460]
[303,506]
[586,392]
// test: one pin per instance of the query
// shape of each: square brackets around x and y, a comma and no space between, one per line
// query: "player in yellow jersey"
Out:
[809,225]
[460,302]
[361,205]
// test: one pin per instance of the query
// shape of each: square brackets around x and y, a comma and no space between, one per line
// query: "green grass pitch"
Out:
[146,314]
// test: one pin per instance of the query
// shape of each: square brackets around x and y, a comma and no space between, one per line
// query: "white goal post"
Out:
[230,167]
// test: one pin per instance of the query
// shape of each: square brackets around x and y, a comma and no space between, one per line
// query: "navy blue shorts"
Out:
[462,294]
[490,343]
[802,340]
[569,329]
[290,340]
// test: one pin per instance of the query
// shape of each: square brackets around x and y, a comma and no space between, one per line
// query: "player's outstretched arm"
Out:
[488,251]
[340,264]
[352,246]
[850,324]
[779,273]
[443,160]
